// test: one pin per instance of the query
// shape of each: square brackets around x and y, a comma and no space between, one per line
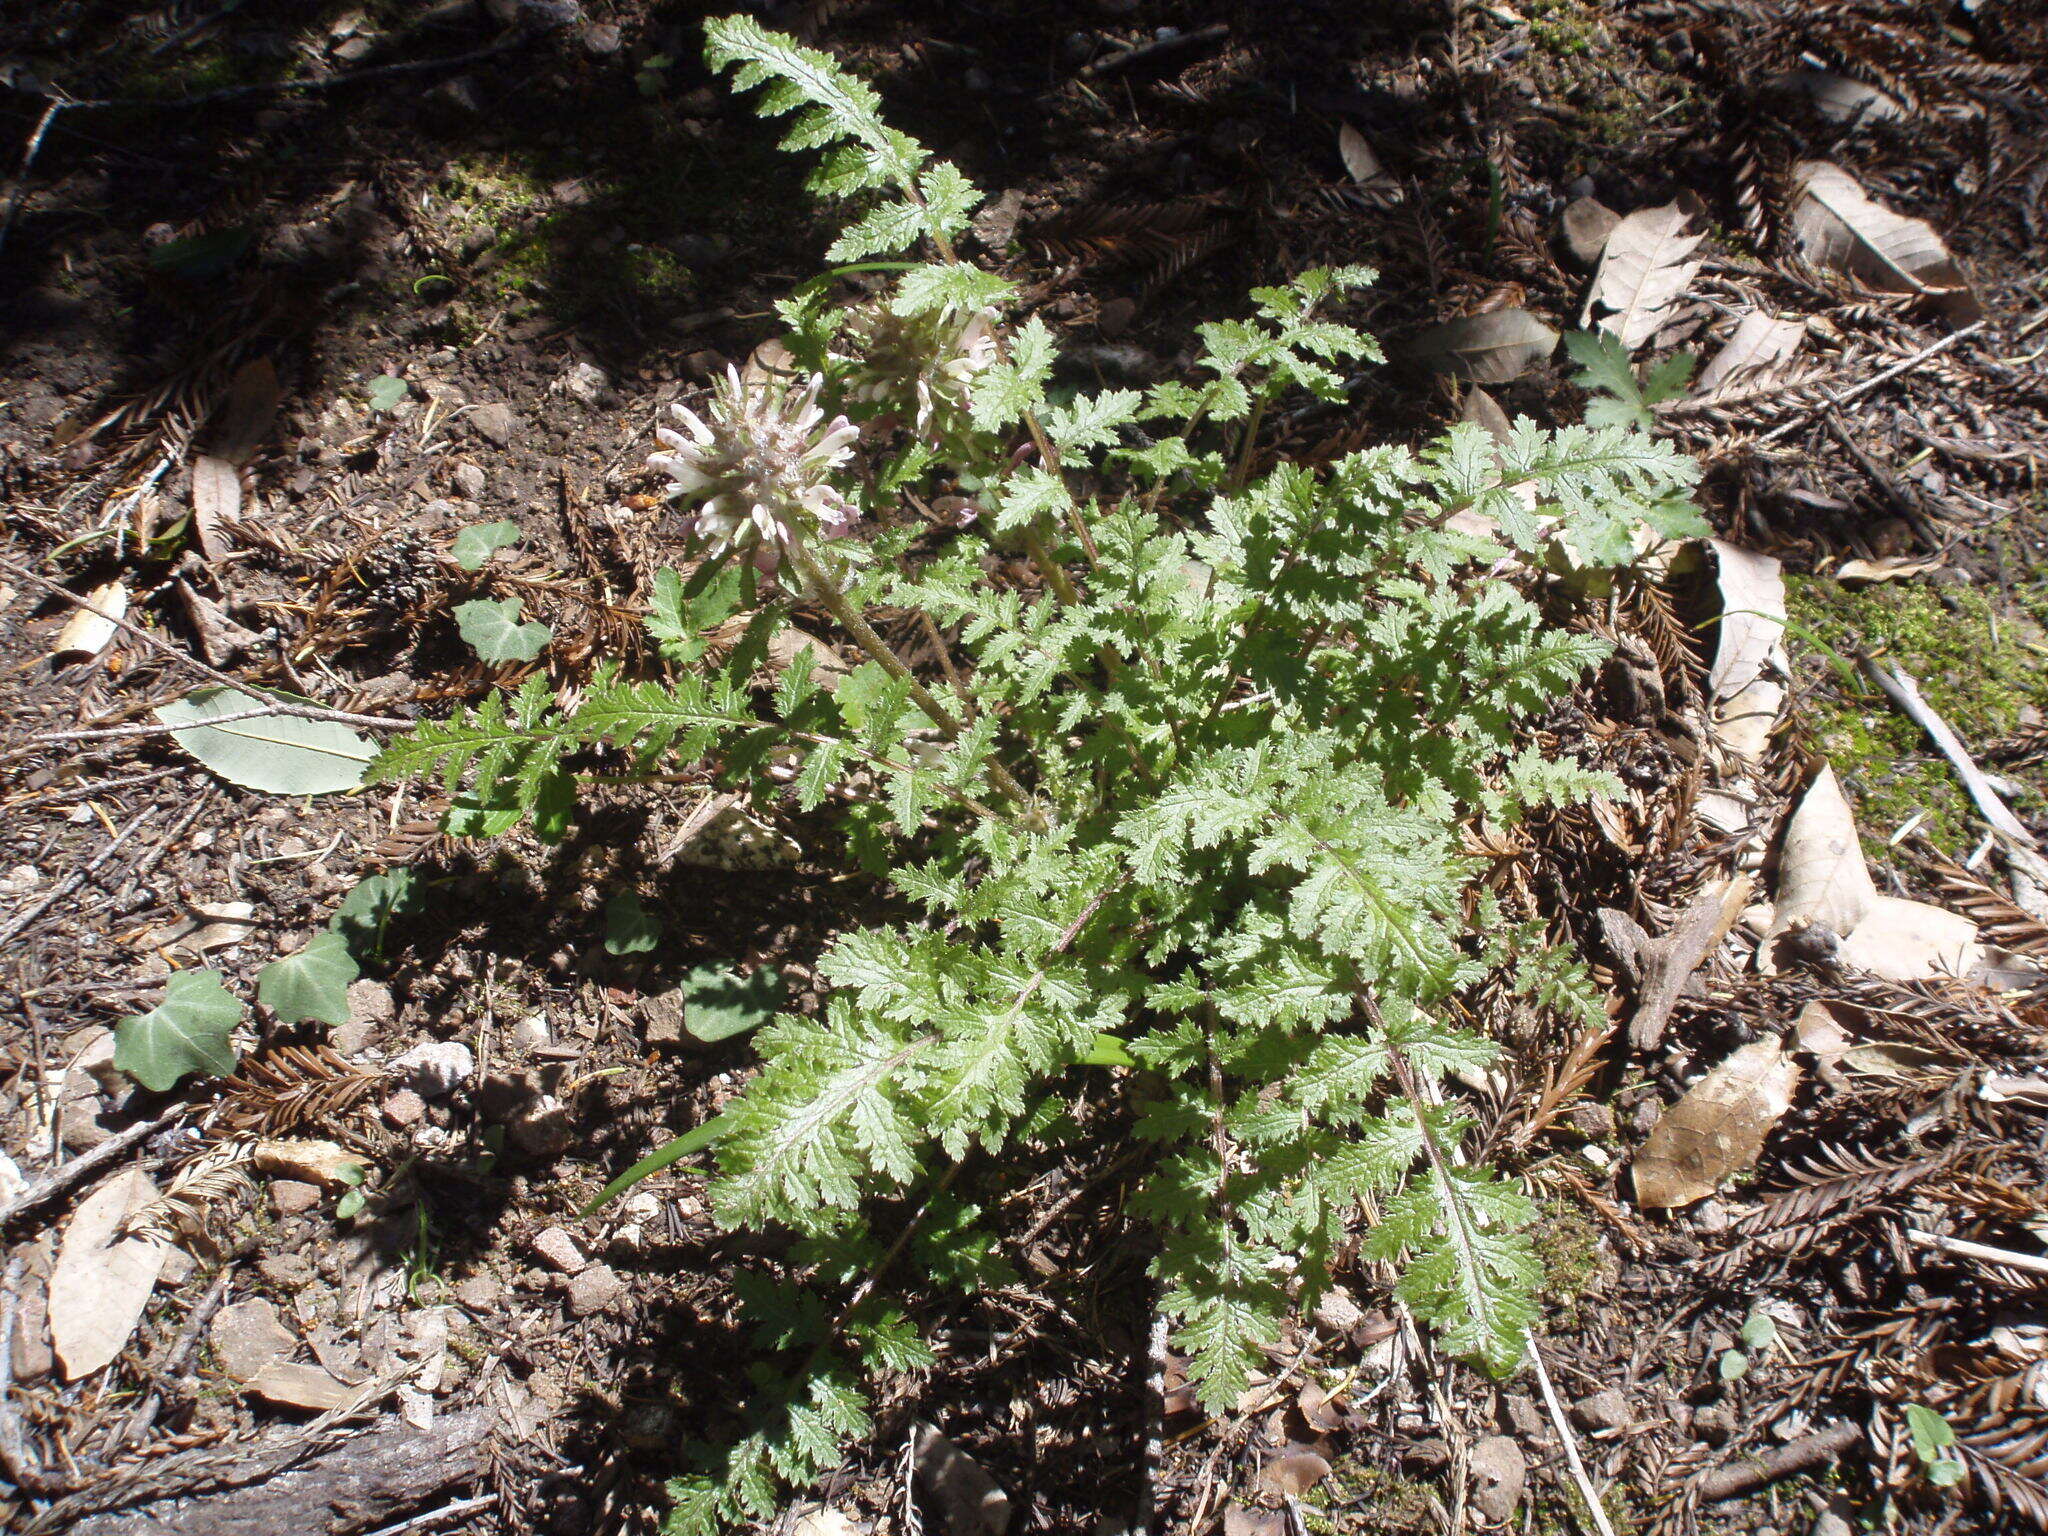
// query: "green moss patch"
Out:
[1977,673]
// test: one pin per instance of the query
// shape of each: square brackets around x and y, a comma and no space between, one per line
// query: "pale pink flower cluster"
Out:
[757,465]
[928,362]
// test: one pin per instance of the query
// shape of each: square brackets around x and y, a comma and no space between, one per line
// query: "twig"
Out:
[27,1474]
[138,1422]
[1803,1453]
[436,1516]
[319,82]
[1594,1508]
[2032,1263]
[54,1184]
[16,192]
[1793,423]
[1112,62]
[1904,690]
[295,711]
[72,881]
[301,711]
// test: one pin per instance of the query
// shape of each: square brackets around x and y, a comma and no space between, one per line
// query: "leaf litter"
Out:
[1883,1021]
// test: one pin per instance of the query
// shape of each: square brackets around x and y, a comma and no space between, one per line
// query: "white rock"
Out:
[557,1249]
[436,1068]
[586,381]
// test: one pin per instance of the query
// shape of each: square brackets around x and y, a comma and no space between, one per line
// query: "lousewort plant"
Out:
[1190,799]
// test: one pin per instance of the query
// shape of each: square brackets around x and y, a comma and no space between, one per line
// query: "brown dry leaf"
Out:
[1717,1129]
[1824,883]
[1239,1521]
[1749,654]
[310,1162]
[300,1386]
[102,1281]
[1587,222]
[86,634]
[216,500]
[208,927]
[1820,1034]
[1756,354]
[1894,1058]
[1293,1474]
[1643,273]
[244,422]
[1492,348]
[1891,568]
[1665,963]
[1822,879]
[958,1484]
[1360,163]
[1838,225]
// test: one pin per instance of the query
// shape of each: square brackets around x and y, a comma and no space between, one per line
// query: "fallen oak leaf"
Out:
[1717,1129]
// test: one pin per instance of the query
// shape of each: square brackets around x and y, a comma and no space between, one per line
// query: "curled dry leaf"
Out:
[102,1280]
[1294,1473]
[310,1162]
[1492,348]
[1756,354]
[1823,883]
[1839,225]
[1643,273]
[1838,98]
[1749,655]
[1360,163]
[1717,1129]
[1890,568]
[86,633]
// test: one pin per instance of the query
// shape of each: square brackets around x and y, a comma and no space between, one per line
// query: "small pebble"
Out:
[436,1068]
[293,1197]
[594,1290]
[404,1108]
[470,481]
[557,1249]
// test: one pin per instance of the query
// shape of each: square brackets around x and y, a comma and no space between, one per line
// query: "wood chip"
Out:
[86,634]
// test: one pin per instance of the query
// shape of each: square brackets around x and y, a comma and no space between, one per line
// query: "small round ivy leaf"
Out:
[187,1032]
[477,543]
[1759,1331]
[349,1204]
[312,984]
[366,912]
[629,928]
[1734,1365]
[388,392]
[719,1003]
[494,632]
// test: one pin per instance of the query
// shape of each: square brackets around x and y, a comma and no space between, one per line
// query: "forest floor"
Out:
[294,294]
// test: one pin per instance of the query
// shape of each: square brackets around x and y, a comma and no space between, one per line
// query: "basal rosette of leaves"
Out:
[1194,801]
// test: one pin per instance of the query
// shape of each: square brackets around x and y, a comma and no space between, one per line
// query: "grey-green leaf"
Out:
[312,984]
[476,544]
[187,1032]
[629,928]
[719,1003]
[494,632]
[388,392]
[278,754]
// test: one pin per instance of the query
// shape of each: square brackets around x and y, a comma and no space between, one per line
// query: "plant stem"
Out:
[827,591]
